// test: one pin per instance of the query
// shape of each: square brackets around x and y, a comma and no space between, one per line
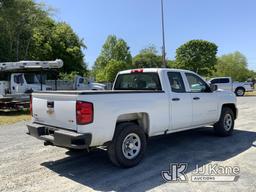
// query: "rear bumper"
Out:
[60,137]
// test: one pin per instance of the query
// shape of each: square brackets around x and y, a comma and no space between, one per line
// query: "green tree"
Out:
[18,19]
[148,58]
[68,76]
[115,55]
[62,42]
[233,65]
[172,64]
[113,68]
[27,32]
[197,55]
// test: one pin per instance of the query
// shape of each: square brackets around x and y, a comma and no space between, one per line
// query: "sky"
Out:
[228,23]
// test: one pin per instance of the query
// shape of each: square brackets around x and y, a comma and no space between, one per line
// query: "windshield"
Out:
[43,77]
[4,77]
[138,81]
[34,78]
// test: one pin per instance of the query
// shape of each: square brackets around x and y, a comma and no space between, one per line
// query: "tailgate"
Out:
[57,110]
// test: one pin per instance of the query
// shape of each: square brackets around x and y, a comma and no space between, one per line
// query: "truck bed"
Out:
[91,92]
[58,109]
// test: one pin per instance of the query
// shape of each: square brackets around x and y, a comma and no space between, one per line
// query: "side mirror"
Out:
[213,87]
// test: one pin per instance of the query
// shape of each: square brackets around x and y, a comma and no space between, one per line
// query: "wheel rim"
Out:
[240,92]
[228,122]
[131,146]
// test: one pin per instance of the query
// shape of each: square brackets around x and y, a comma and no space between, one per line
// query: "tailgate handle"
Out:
[50,104]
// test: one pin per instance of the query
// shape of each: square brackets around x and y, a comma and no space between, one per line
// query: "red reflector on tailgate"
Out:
[84,112]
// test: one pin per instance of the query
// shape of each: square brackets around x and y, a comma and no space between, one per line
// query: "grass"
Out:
[250,93]
[10,117]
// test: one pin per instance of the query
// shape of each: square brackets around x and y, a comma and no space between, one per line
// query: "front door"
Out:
[17,83]
[203,99]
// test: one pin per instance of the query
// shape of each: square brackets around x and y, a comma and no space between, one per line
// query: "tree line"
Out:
[196,55]
[28,32]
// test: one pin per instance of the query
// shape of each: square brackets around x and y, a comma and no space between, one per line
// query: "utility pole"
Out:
[163,35]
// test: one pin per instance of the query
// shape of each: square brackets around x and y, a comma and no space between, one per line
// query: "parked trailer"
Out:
[14,105]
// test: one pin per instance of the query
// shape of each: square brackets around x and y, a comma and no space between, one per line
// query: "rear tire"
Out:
[225,126]
[128,146]
[240,91]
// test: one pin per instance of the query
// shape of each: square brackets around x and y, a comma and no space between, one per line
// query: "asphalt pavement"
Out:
[27,165]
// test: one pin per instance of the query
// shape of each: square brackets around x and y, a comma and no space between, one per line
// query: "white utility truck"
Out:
[19,79]
[142,104]
[81,83]
[226,83]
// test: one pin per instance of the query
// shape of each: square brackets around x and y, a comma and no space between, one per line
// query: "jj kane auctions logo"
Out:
[206,173]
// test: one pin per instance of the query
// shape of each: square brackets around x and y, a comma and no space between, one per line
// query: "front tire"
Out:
[225,126]
[128,146]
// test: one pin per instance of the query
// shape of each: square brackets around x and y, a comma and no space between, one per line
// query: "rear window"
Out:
[226,80]
[215,81]
[138,81]
[223,80]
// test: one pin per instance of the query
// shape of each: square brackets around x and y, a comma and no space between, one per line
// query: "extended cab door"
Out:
[180,102]
[204,101]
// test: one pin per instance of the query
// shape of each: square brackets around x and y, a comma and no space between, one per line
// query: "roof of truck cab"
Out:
[153,70]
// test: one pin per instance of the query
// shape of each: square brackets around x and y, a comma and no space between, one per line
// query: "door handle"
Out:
[196,98]
[175,99]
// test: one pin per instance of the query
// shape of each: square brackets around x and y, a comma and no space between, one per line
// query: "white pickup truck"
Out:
[226,83]
[142,104]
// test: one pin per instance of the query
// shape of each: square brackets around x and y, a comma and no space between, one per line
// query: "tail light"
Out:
[84,113]
[30,105]
[137,71]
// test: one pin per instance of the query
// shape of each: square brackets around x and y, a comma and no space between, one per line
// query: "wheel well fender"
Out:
[141,119]
[232,107]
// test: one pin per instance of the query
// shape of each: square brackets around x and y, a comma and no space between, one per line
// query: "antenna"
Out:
[163,35]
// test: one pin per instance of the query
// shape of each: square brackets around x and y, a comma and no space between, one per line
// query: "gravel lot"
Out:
[27,165]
